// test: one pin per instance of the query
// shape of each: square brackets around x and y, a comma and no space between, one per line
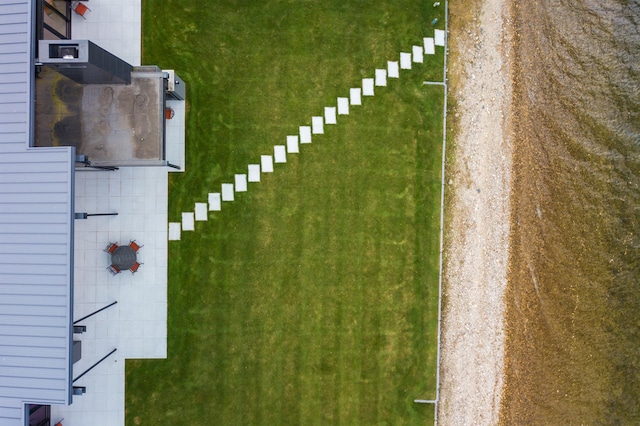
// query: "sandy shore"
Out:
[477,234]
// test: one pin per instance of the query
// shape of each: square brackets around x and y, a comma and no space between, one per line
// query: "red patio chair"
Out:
[111,247]
[135,267]
[113,269]
[135,246]
[81,9]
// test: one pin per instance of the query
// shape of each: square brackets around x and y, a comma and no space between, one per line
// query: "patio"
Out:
[137,325]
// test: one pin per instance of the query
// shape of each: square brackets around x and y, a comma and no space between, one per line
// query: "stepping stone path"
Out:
[241,181]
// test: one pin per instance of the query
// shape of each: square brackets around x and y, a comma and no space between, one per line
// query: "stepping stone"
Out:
[330,115]
[254,172]
[280,154]
[392,69]
[439,37]
[305,134]
[418,54]
[343,106]
[215,203]
[354,96]
[381,77]
[241,183]
[188,222]
[405,61]
[367,87]
[201,211]
[317,125]
[227,192]
[292,145]
[174,231]
[266,162]
[429,46]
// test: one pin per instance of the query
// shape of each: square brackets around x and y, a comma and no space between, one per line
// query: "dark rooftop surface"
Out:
[112,124]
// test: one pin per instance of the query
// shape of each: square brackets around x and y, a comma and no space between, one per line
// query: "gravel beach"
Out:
[478,217]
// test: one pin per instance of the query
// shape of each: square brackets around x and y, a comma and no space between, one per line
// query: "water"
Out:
[573,315]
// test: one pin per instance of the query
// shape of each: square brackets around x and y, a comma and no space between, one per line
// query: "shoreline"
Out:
[476,256]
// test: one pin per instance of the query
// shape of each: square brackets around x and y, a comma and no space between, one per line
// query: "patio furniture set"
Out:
[123,257]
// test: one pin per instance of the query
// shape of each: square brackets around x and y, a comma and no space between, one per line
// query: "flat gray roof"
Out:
[36,237]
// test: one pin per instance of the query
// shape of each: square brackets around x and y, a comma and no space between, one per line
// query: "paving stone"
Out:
[266,162]
[305,134]
[418,54]
[439,37]
[174,231]
[343,106]
[355,96]
[201,212]
[317,125]
[429,46]
[330,115]
[405,61]
[381,77]
[392,69]
[280,154]
[292,145]
[227,192]
[254,172]
[241,183]
[367,87]
[188,222]
[215,203]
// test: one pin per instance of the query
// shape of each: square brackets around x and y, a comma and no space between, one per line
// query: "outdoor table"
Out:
[124,257]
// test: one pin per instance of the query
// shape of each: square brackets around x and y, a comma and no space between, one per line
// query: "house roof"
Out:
[36,237]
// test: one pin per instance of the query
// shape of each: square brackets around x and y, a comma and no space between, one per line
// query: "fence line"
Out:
[444,153]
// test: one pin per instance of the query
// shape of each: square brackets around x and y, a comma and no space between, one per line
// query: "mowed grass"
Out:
[313,297]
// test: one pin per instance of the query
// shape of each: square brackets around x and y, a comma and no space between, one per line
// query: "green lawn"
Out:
[313,297]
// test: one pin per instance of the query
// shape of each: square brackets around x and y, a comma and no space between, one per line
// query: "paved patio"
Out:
[137,324]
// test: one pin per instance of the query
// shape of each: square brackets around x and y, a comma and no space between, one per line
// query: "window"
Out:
[53,20]
[39,415]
